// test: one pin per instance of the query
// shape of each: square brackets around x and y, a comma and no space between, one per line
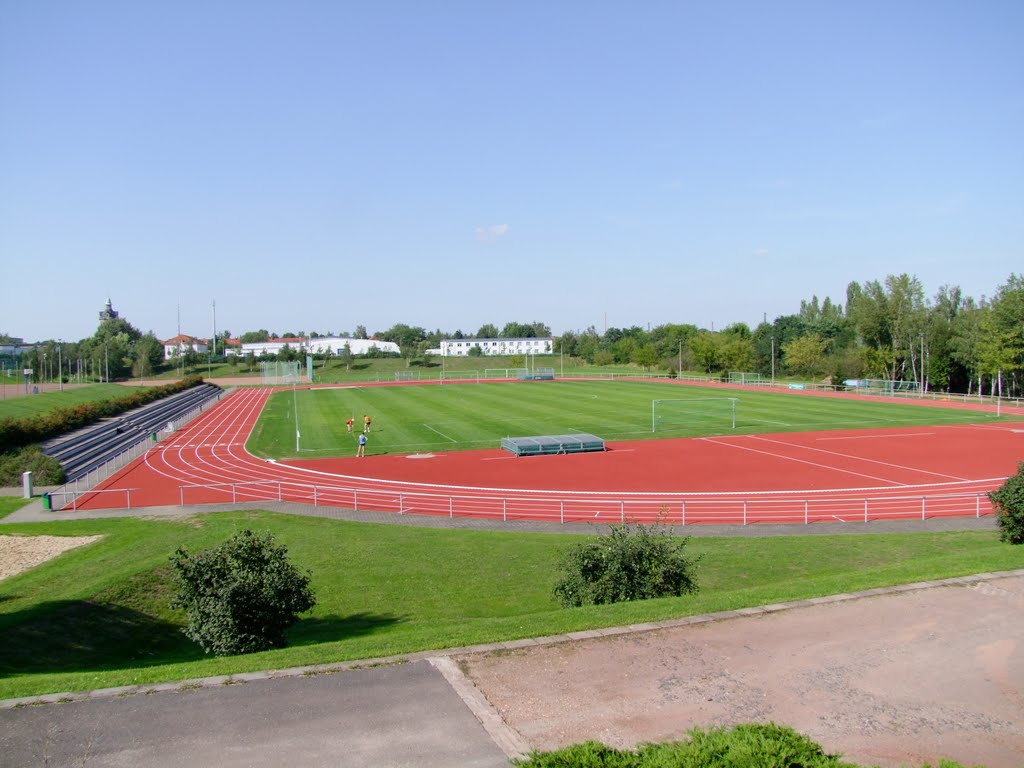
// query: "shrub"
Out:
[46,470]
[1009,504]
[241,596]
[743,746]
[631,562]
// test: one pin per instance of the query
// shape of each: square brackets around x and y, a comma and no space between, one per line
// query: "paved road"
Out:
[405,715]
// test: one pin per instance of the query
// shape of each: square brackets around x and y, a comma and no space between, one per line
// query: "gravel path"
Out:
[886,680]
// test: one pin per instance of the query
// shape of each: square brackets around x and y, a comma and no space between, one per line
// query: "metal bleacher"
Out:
[86,449]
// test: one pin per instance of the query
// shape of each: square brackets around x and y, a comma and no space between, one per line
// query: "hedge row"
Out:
[46,470]
[18,433]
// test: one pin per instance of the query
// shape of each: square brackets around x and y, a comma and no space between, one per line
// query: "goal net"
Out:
[745,377]
[693,412]
[279,372]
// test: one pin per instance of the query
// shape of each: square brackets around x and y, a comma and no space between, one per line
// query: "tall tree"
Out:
[806,355]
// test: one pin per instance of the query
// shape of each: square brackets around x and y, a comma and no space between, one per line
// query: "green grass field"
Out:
[44,402]
[410,419]
[99,616]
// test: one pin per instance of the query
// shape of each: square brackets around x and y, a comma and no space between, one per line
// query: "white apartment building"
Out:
[461,347]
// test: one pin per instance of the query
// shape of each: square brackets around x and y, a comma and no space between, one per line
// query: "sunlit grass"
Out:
[99,616]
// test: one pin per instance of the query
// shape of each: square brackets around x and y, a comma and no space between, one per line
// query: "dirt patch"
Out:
[19,553]
[889,680]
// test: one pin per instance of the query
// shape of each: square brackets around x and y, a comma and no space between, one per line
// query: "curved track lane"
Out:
[792,477]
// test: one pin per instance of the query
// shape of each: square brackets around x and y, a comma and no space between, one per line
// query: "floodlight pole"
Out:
[60,372]
[295,405]
[773,361]
[920,386]
[679,371]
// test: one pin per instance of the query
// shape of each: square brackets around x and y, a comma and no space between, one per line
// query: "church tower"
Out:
[108,312]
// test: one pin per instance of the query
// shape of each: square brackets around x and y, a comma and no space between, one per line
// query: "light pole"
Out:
[773,361]
[921,384]
[295,405]
[106,362]
[679,372]
[60,374]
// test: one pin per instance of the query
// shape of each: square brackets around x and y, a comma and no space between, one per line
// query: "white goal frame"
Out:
[654,406]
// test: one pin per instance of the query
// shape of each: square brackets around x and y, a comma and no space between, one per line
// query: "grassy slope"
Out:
[33,405]
[461,416]
[99,616]
[10,504]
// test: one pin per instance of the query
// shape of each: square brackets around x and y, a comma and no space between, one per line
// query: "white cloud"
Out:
[493,232]
[761,252]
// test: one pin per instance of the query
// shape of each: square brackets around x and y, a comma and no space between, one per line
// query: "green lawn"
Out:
[10,504]
[98,616]
[411,419]
[33,405]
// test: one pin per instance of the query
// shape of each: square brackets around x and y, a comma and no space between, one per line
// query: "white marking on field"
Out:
[420,456]
[442,434]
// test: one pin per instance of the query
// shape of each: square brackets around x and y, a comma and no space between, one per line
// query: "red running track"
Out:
[849,475]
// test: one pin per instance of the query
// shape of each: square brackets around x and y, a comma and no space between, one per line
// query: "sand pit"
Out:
[19,553]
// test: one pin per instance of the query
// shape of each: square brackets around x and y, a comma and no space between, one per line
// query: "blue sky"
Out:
[323,165]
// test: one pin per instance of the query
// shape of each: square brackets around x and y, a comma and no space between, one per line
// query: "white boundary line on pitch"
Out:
[442,434]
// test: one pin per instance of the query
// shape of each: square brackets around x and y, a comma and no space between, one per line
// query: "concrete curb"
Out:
[435,657]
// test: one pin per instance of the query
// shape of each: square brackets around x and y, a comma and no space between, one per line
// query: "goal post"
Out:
[745,377]
[693,411]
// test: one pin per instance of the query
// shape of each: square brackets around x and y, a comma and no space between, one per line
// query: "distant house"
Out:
[181,344]
[461,347]
[321,345]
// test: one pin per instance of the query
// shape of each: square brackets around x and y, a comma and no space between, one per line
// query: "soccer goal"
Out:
[693,412]
[407,375]
[745,377]
[279,372]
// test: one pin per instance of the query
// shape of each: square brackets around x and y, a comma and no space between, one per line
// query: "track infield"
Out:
[846,475]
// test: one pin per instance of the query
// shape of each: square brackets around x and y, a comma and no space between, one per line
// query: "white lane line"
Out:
[859,458]
[801,461]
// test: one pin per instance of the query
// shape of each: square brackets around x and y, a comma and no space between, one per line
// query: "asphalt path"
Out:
[400,715]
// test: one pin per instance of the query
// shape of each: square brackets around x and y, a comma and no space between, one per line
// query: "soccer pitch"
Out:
[426,418]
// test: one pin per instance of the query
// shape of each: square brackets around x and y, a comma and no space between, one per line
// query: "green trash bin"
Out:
[46,501]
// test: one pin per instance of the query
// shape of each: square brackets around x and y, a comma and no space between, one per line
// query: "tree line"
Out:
[886,329]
